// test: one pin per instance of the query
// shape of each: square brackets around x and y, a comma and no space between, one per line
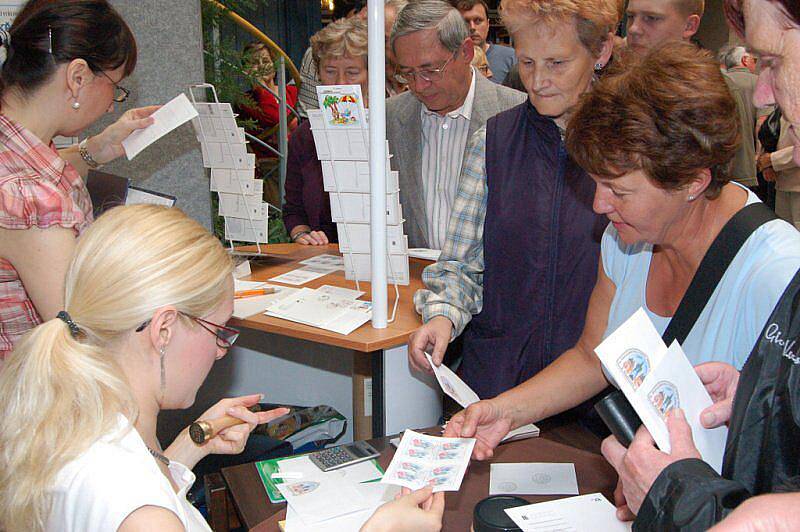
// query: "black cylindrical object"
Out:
[489,514]
[620,417]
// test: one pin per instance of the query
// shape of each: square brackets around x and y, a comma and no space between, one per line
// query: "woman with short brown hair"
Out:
[656,135]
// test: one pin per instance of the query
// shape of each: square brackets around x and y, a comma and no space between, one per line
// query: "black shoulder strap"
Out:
[716,260]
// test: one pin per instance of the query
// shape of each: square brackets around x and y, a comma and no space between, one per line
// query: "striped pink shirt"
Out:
[37,189]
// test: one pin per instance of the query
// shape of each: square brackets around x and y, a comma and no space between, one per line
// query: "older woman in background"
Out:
[340,52]
[520,258]
[660,167]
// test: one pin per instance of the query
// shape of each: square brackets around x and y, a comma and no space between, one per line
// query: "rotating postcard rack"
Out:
[224,148]
[341,137]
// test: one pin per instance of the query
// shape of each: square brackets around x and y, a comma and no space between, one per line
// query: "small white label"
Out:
[368,397]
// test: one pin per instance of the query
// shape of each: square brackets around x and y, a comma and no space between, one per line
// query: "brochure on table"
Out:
[657,379]
[341,136]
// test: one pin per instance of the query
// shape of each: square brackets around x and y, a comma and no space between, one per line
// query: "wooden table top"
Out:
[286,257]
[565,443]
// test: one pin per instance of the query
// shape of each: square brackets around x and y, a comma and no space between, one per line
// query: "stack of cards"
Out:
[656,379]
[224,149]
[423,460]
[341,137]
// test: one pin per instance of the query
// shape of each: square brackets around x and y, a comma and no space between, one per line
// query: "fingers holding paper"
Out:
[640,464]
[486,422]
[415,511]
[107,146]
[720,381]
[433,338]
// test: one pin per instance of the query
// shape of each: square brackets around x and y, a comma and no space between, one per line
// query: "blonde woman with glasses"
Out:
[148,293]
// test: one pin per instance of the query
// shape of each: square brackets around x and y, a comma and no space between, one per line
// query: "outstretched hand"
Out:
[486,421]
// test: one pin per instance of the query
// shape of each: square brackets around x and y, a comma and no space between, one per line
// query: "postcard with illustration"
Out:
[423,460]
[342,106]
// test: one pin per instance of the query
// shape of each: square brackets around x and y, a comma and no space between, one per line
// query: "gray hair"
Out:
[733,58]
[428,15]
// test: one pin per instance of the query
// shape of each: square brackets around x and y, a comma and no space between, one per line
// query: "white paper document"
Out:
[334,313]
[177,111]
[250,306]
[300,275]
[462,394]
[340,291]
[585,513]
[423,460]
[321,498]
[374,495]
[655,380]
[325,262]
[533,479]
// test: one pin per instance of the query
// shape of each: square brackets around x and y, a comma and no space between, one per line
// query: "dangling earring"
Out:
[598,67]
[76,105]
[163,352]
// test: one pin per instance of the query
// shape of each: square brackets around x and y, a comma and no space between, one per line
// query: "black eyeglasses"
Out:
[429,74]
[226,336]
[120,93]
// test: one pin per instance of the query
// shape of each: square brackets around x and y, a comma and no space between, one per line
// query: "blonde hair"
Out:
[594,19]
[479,59]
[345,37]
[61,392]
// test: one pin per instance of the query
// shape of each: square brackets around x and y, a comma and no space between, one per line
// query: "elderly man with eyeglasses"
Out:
[428,126]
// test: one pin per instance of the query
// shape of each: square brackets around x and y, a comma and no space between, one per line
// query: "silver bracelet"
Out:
[86,156]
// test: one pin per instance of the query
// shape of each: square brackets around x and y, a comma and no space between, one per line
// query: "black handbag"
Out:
[770,131]
[614,409]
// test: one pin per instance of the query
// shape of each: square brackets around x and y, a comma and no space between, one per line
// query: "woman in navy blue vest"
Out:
[521,254]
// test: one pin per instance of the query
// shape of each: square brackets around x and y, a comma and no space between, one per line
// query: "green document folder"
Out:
[266,468]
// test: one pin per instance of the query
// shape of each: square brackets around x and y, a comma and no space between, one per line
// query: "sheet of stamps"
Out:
[423,460]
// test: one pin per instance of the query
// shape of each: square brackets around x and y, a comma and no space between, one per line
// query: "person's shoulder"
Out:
[401,101]
[504,51]
[503,97]
[30,200]
[107,482]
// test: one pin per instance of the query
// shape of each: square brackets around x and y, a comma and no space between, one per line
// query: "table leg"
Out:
[401,399]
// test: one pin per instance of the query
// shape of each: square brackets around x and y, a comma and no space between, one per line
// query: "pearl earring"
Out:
[76,105]
[691,198]
[598,66]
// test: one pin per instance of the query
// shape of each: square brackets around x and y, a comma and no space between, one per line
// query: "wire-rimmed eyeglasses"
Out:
[429,74]
[226,336]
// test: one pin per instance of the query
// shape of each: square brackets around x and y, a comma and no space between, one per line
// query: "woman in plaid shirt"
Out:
[64,61]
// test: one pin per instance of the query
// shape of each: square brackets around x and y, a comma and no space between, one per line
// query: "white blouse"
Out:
[113,478]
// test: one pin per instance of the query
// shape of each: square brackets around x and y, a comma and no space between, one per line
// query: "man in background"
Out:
[652,22]
[429,125]
[476,15]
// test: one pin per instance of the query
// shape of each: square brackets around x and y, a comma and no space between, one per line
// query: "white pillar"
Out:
[377,161]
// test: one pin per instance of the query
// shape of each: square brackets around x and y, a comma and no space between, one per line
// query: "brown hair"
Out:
[733,12]
[466,5]
[668,113]
[594,19]
[46,34]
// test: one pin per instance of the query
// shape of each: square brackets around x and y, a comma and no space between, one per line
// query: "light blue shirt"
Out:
[737,311]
